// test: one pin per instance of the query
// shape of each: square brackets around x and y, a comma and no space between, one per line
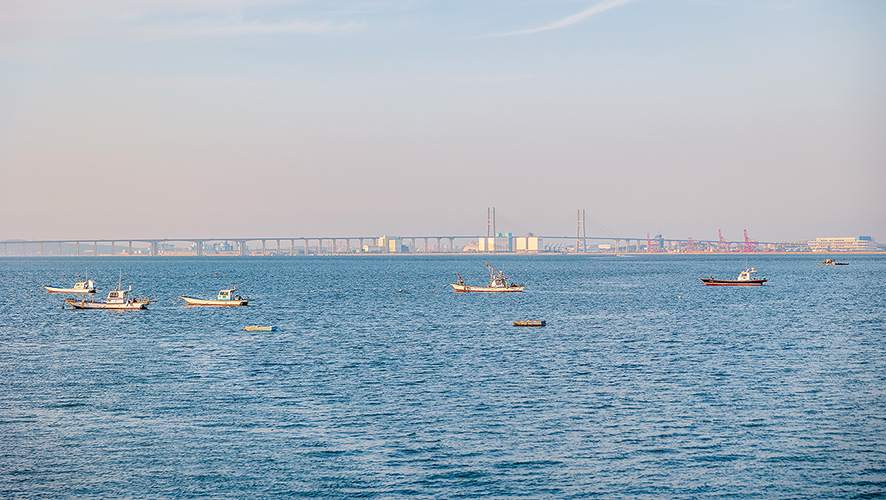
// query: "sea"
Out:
[381,382]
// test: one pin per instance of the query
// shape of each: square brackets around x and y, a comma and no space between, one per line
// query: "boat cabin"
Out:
[746,274]
[118,296]
[498,281]
[228,294]
[84,285]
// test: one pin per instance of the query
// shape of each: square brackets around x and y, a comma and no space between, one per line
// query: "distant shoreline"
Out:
[443,254]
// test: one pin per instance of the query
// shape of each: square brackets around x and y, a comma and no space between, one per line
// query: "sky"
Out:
[263,118]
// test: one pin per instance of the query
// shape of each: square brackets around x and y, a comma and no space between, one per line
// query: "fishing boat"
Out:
[497,283]
[85,286]
[225,298]
[117,298]
[831,262]
[744,279]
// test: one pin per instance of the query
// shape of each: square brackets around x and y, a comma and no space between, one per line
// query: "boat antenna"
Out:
[120,280]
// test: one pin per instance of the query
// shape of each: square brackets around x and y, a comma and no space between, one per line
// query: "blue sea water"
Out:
[380,382]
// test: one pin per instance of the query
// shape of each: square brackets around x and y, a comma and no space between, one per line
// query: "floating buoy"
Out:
[529,323]
[260,328]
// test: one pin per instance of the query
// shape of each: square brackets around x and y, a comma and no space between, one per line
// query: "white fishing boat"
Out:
[744,279]
[85,286]
[497,283]
[225,298]
[117,299]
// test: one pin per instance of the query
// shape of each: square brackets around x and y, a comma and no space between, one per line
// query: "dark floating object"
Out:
[830,262]
[529,323]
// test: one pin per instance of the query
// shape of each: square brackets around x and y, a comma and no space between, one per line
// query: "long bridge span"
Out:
[314,245]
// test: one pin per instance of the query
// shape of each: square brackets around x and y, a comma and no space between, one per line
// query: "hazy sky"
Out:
[248,118]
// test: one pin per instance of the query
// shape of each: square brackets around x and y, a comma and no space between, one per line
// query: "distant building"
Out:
[502,242]
[846,244]
[471,247]
[386,244]
[792,246]
[529,244]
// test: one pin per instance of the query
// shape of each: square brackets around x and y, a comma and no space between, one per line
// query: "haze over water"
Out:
[381,382]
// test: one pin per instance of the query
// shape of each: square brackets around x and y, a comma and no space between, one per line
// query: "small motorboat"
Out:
[497,283]
[85,286]
[831,262]
[117,299]
[225,298]
[744,279]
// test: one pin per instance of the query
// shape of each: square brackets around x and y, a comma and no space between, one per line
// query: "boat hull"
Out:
[55,289]
[194,301]
[486,289]
[716,282]
[92,304]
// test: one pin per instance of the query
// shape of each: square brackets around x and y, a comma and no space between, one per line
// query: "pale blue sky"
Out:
[264,118]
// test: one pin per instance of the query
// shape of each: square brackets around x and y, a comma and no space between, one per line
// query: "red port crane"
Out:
[724,244]
[749,244]
[650,246]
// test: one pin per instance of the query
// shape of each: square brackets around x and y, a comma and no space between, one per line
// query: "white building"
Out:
[385,244]
[846,244]
[531,244]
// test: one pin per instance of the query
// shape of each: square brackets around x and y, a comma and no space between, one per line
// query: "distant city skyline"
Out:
[157,119]
[494,243]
